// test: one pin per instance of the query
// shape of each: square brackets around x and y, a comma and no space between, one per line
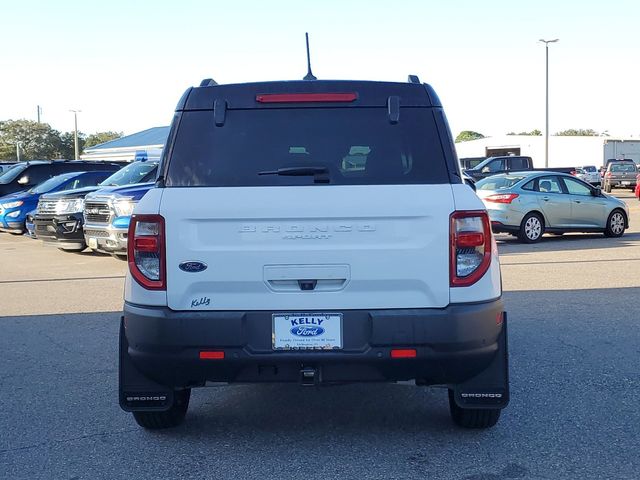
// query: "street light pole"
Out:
[546,127]
[18,150]
[75,131]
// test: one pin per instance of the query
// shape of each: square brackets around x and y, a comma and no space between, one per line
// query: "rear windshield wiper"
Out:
[320,174]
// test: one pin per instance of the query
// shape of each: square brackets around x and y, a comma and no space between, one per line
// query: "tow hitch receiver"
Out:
[309,376]
[490,388]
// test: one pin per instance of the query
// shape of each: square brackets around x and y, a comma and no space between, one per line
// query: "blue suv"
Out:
[15,207]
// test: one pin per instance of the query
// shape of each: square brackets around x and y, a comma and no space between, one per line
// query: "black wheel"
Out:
[169,418]
[472,417]
[607,188]
[615,224]
[531,228]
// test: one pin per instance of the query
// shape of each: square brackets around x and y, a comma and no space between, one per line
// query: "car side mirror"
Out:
[486,170]
[597,191]
[23,180]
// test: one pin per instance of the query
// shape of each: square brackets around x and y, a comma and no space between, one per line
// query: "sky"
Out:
[125,64]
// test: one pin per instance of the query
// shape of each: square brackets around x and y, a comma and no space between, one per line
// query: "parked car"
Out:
[27,175]
[637,189]
[529,204]
[620,175]
[588,173]
[511,163]
[266,253]
[107,214]
[15,207]
[61,216]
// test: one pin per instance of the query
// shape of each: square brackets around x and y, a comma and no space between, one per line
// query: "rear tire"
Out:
[169,418]
[531,228]
[472,417]
[615,224]
[607,188]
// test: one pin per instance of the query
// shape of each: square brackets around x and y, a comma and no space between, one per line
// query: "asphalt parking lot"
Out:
[575,357]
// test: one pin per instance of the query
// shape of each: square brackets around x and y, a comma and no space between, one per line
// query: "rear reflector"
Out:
[212,355]
[305,97]
[403,353]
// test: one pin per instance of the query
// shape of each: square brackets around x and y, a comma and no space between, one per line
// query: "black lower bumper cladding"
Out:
[461,346]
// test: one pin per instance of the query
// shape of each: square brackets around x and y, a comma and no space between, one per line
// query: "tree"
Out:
[68,147]
[101,137]
[532,133]
[467,135]
[37,140]
[572,132]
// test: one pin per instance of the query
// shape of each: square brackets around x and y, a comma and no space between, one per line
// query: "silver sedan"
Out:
[529,204]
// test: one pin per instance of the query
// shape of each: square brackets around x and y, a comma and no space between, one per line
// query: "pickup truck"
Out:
[495,165]
[620,174]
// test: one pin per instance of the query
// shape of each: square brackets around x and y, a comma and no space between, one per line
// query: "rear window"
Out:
[356,146]
[626,168]
[498,182]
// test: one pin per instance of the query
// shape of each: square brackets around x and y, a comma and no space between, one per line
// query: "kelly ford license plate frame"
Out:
[307,331]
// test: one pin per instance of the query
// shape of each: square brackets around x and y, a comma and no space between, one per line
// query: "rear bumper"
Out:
[65,231]
[619,183]
[452,345]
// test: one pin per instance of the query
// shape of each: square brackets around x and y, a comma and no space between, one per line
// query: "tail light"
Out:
[146,251]
[470,248]
[501,197]
[573,172]
[608,174]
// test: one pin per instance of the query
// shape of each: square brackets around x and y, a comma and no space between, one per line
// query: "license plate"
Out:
[626,182]
[93,243]
[307,331]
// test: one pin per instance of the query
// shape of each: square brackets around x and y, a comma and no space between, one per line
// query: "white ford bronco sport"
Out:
[316,232]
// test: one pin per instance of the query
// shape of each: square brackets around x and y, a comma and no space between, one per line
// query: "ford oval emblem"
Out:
[307,331]
[192,266]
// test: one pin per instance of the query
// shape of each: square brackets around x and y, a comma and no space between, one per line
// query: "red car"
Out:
[637,190]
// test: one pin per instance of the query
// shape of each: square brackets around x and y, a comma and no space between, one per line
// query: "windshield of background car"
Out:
[357,146]
[136,172]
[52,183]
[624,168]
[498,182]
[589,169]
[11,174]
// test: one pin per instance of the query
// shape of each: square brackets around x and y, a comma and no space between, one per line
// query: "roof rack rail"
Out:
[414,79]
[208,82]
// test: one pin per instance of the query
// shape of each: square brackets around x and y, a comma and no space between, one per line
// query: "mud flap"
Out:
[490,388]
[137,392]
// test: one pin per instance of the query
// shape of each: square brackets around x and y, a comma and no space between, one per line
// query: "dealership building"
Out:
[145,144]
[564,151]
